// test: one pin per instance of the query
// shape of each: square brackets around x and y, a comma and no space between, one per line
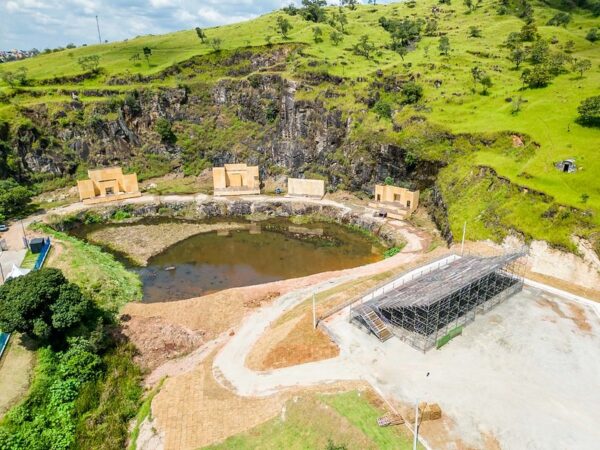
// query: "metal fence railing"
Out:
[43,254]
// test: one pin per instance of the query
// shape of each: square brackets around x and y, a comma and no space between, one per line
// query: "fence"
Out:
[43,254]
[4,337]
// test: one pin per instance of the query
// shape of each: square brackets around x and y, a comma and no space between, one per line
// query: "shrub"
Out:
[383,109]
[593,35]
[163,128]
[411,92]
[391,252]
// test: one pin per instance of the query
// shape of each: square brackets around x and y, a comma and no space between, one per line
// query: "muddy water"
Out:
[264,252]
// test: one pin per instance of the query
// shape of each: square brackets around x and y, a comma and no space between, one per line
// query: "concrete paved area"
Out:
[8,258]
[527,372]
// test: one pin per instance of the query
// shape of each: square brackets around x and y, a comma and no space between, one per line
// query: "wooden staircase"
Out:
[374,322]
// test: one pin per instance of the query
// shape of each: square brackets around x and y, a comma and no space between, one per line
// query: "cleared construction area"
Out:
[432,308]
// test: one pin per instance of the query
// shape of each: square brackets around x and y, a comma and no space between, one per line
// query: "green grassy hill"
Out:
[481,125]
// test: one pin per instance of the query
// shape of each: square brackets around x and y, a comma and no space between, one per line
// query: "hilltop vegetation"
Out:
[472,101]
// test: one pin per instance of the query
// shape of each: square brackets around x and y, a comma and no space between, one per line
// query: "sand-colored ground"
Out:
[193,409]
[16,369]
[143,241]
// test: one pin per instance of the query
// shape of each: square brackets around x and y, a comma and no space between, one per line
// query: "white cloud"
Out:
[52,23]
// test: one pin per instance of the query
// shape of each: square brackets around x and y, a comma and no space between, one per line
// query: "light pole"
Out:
[416,434]
[24,234]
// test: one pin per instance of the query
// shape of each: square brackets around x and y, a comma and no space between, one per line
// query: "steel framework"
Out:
[429,308]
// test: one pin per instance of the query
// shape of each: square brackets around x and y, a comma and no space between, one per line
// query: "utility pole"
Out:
[98,27]
[462,245]
[416,430]
[314,312]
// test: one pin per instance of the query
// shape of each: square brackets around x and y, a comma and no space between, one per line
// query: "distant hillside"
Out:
[474,105]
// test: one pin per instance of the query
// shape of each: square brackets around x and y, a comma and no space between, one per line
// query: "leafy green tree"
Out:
[431,27]
[165,131]
[336,37]
[513,40]
[364,47]
[341,19]
[43,305]
[581,66]
[517,56]
[215,43]
[540,51]
[313,10]
[560,19]
[317,34]
[201,34]
[469,4]
[444,45]
[589,112]
[18,77]
[89,63]
[349,3]
[284,26]
[529,32]
[14,198]
[593,35]
[147,53]
[569,46]
[537,77]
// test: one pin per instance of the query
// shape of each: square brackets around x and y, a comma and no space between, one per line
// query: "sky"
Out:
[27,24]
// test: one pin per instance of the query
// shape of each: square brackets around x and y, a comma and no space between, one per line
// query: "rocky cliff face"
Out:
[289,135]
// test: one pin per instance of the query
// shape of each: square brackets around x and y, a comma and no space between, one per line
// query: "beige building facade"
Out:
[396,201]
[107,185]
[298,187]
[236,179]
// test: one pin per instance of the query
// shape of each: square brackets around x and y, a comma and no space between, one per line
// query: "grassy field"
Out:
[546,119]
[106,280]
[311,422]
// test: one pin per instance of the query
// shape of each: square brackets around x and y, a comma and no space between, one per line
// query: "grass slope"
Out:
[310,422]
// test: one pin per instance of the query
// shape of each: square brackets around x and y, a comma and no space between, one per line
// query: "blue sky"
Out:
[25,24]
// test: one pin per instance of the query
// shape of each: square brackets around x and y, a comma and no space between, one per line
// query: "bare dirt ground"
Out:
[15,373]
[193,409]
[141,242]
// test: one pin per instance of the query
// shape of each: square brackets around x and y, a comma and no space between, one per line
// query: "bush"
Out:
[593,35]
[163,128]
[411,92]
[589,112]
[391,252]
[383,109]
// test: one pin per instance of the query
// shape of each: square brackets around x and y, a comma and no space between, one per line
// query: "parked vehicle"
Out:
[3,227]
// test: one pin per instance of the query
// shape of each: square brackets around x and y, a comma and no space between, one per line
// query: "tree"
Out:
[560,19]
[215,43]
[581,65]
[431,27]
[383,109]
[18,77]
[147,53]
[317,34]
[481,77]
[89,63]
[284,26]
[469,4]
[589,112]
[540,51]
[14,198]
[517,56]
[341,19]
[313,10]
[350,3]
[474,31]
[569,46]
[513,40]
[201,34]
[364,47]
[529,32]
[43,305]
[593,35]
[163,128]
[537,77]
[336,37]
[444,45]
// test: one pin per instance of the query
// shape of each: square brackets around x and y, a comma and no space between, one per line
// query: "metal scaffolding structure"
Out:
[427,311]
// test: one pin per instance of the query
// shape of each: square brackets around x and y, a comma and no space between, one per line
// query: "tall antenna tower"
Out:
[98,26]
